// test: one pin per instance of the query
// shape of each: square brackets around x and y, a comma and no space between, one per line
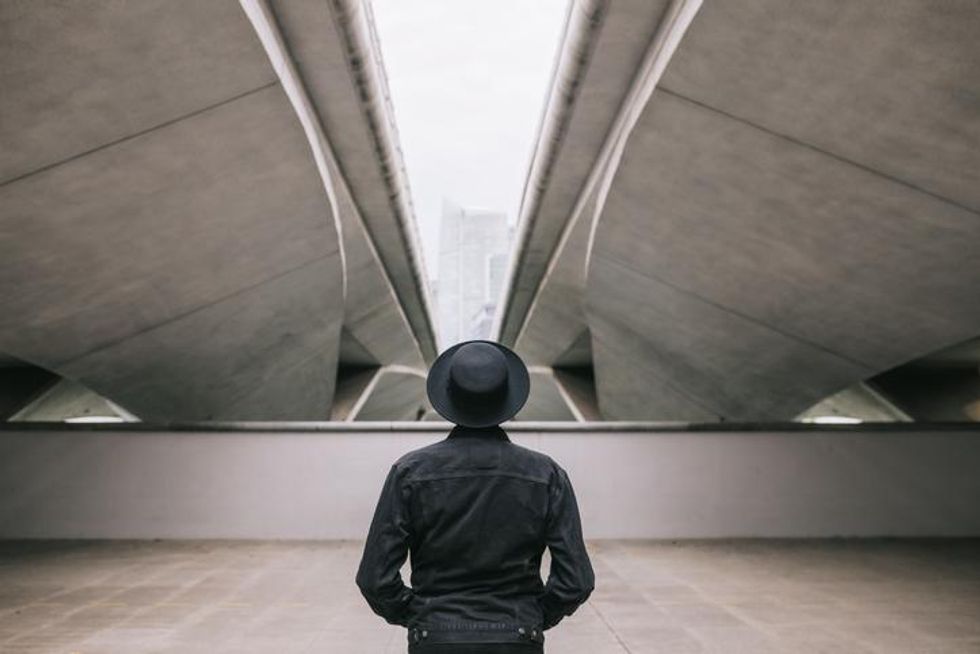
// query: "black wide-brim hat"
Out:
[478,384]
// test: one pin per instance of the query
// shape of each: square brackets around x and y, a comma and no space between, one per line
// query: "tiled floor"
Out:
[282,597]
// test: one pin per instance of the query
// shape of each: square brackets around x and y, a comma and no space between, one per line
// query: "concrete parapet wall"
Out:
[321,480]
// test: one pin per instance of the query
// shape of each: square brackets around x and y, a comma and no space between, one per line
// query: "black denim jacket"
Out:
[476,512]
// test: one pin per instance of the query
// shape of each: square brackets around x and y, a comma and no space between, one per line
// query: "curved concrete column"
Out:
[786,211]
[374,314]
[765,245]
[188,269]
[335,51]
[165,237]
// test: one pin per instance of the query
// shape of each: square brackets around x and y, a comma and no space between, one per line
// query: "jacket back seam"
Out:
[474,473]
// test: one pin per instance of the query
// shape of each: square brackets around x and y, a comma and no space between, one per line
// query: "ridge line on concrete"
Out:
[362,48]
[572,62]
[689,395]
[325,159]
[818,149]
[745,316]
[135,135]
[189,312]
[677,18]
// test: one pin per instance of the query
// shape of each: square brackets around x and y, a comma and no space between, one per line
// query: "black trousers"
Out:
[476,648]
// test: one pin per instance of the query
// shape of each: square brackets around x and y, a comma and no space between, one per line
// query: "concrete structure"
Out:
[474,249]
[321,480]
[747,209]
[871,597]
[203,209]
[738,209]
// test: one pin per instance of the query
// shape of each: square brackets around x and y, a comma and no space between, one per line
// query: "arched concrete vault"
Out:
[175,233]
[791,210]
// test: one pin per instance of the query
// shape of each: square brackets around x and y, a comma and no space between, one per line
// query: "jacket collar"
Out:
[493,433]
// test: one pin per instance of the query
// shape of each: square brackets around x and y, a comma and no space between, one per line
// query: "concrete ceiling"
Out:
[794,210]
[165,237]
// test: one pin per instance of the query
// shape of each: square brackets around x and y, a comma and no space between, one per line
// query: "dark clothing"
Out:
[485,648]
[476,511]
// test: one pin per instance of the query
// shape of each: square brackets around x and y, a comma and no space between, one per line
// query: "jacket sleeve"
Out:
[379,575]
[570,580]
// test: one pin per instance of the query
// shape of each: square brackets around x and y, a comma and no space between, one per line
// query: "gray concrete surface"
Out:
[336,52]
[322,480]
[759,597]
[890,87]
[397,393]
[603,45]
[150,271]
[80,76]
[771,274]
[545,401]
[165,238]
[793,212]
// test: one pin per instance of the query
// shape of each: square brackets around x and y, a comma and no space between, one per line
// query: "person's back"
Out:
[476,511]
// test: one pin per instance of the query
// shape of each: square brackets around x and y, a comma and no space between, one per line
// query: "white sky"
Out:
[468,80]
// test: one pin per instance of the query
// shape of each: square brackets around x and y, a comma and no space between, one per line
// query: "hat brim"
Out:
[478,415]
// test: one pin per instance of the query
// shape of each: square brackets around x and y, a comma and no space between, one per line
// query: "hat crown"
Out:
[478,384]
[478,369]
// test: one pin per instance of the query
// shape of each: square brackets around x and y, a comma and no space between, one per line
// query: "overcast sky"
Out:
[468,80]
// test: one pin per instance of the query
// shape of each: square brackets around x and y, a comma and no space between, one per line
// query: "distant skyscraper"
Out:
[474,250]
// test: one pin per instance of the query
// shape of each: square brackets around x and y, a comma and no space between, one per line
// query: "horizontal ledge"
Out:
[514,427]
[849,541]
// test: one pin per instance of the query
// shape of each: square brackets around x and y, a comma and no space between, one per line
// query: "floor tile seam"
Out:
[615,634]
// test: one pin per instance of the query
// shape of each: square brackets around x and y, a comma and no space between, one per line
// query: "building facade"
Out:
[473,255]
